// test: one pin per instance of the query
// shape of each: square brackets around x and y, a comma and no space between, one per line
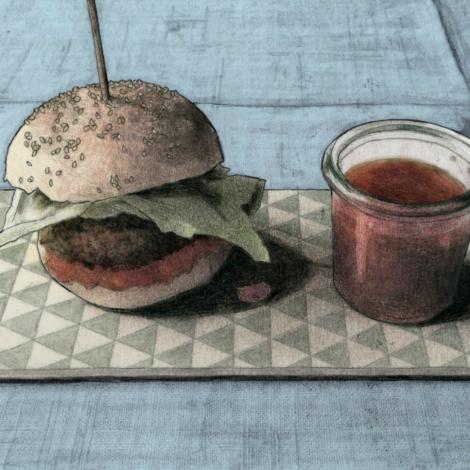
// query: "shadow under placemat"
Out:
[461,308]
[286,273]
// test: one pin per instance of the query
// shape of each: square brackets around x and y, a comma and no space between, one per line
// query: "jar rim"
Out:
[338,182]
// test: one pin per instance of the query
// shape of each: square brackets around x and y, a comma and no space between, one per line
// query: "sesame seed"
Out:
[20,180]
[51,183]
[26,143]
[110,112]
[75,121]
[42,140]
[59,138]
[65,127]
[49,140]
[144,153]
[30,179]
[121,119]
[28,135]
[66,157]
[54,129]
[108,127]
[58,172]
[74,164]
[100,136]
[98,190]
[47,170]
[82,156]
[98,115]
[35,152]
[124,149]
[29,163]
[116,136]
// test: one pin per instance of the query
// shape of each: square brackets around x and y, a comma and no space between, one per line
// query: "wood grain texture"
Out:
[276,54]
[235,425]
[264,53]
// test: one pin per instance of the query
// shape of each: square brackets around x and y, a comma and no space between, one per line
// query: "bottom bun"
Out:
[139,297]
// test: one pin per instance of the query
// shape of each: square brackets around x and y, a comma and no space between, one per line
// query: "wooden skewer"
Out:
[100,62]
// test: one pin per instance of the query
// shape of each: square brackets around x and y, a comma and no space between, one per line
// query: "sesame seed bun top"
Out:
[77,148]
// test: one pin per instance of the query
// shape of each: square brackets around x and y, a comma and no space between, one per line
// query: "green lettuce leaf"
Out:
[214,204]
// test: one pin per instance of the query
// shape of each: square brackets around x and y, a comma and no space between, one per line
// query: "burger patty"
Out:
[124,240]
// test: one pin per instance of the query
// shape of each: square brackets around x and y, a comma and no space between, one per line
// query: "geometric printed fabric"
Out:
[44,326]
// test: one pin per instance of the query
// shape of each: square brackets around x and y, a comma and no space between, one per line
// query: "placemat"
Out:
[304,329]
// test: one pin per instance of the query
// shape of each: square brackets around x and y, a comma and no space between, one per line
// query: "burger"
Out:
[129,196]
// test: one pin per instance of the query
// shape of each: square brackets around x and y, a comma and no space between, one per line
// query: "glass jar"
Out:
[396,262]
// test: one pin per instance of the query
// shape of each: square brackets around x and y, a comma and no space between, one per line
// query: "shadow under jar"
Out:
[398,262]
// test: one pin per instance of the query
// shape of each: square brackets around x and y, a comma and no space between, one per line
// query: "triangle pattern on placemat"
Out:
[298,338]
[41,356]
[282,323]
[447,335]
[34,295]
[397,337]
[206,356]
[257,320]
[62,341]
[58,294]
[373,338]
[106,324]
[209,323]
[70,309]
[143,340]
[334,322]
[222,339]
[13,253]
[294,305]
[126,356]
[321,339]
[289,204]
[26,280]
[440,354]
[7,279]
[5,266]
[178,357]
[181,324]
[50,323]
[318,308]
[245,339]
[24,324]
[258,356]
[129,324]
[361,355]
[97,357]
[17,357]
[168,339]
[285,356]
[308,205]
[16,307]
[414,353]
[88,340]
[336,355]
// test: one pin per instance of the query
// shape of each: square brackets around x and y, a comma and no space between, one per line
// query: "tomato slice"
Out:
[124,277]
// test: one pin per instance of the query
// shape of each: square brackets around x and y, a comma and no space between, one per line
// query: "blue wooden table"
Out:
[279,79]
